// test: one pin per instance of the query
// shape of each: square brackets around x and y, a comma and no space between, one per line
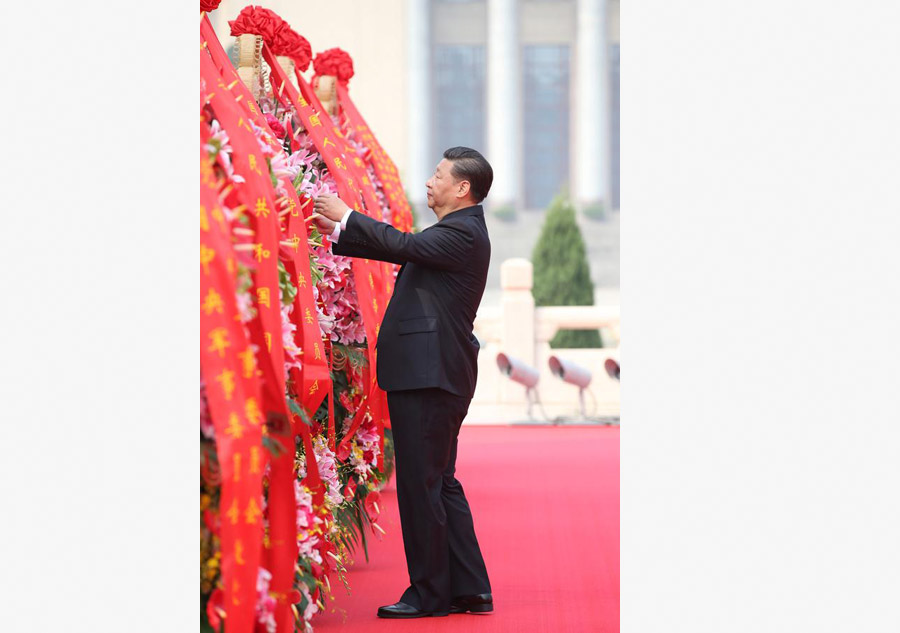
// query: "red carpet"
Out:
[546,507]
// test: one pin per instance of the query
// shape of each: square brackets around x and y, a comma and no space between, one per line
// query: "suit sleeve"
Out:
[442,246]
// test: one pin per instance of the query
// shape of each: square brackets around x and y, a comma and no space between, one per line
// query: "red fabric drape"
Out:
[256,194]
[234,396]
[371,287]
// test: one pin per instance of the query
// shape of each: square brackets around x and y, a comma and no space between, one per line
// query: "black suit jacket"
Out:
[426,336]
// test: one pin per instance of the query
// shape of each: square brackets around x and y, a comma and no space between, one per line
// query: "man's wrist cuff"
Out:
[344,219]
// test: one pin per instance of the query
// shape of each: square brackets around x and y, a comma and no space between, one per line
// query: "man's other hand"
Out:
[323,224]
[331,207]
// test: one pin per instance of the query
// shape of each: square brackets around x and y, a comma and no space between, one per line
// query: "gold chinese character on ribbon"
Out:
[236,458]
[315,387]
[326,142]
[226,379]
[261,209]
[204,219]
[301,280]
[339,163]
[234,512]
[253,165]
[254,460]
[219,341]
[261,253]
[248,362]
[316,351]
[235,592]
[252,411]
[252,513]
[309,317]
[268,337]
[314,120]
[206,256]
[262,296]
[235,429]
[213,302]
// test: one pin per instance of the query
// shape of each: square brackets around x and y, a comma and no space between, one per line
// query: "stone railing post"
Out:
[516,320]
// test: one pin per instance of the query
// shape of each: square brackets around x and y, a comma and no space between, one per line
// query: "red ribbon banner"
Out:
[233,392]
[329,142]
[256,195]
[385,168]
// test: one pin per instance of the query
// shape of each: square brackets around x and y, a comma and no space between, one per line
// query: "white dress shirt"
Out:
[342,225]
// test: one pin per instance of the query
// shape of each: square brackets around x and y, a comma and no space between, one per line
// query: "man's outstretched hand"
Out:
[329,211]
[331,207]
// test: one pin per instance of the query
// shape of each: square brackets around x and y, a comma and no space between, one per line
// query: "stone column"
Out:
[516,321]
[418,102]
[503,102]
[592,167]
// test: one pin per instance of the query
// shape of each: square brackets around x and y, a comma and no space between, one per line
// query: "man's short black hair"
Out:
[470,165]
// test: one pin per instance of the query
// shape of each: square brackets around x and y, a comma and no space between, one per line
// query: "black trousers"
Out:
[442,553]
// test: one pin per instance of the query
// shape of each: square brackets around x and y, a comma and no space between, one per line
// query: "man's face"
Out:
[442,187]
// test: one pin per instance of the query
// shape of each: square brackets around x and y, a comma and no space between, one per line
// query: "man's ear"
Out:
[463,190]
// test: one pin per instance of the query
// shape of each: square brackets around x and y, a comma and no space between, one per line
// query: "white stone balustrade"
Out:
[524,332]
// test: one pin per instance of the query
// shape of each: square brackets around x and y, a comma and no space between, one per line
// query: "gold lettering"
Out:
[235,428]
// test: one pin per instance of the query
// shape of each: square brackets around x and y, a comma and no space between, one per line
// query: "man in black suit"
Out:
[427,364]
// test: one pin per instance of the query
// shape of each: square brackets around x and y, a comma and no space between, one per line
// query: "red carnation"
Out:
[209,5]
[335,62]
[290,43]
[257,21]
[276,127]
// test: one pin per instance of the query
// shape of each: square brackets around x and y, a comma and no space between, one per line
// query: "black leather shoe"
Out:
[402,610]
[480,603]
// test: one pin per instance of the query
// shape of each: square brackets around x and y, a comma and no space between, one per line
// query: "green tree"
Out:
[561,273]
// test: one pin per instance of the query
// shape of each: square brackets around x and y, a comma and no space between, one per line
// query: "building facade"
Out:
[532,84]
